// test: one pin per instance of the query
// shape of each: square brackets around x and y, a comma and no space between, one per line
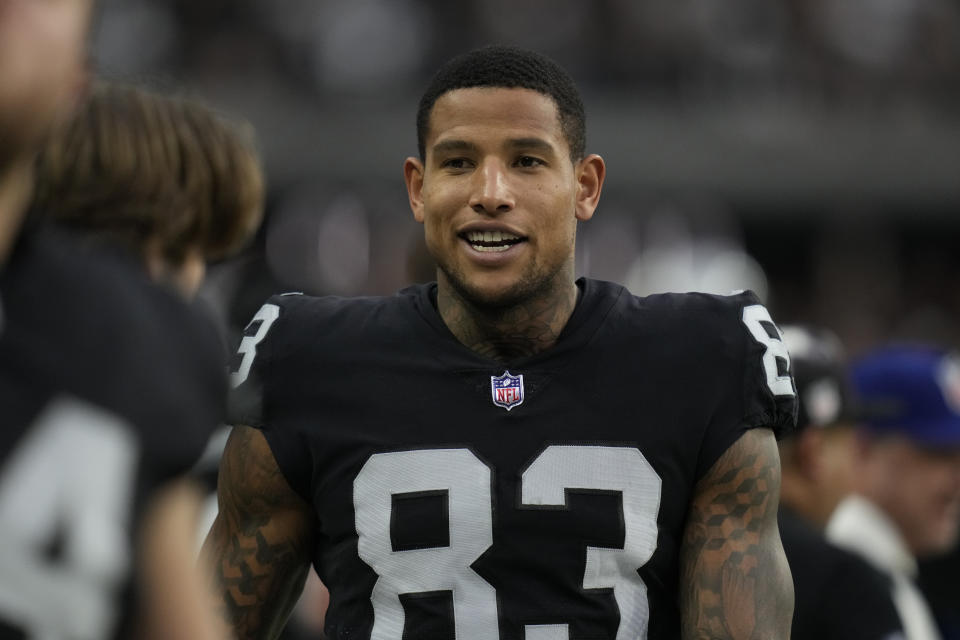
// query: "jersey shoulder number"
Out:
[770,395]
[254,333]
[776,358]
[252,360]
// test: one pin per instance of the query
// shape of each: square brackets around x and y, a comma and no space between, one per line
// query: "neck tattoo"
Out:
[507,334]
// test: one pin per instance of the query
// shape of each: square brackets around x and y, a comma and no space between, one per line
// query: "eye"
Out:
[455,163]
[529,162]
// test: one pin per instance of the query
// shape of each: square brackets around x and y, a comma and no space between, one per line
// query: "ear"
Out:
[413,177]
[863,443]
[809,449]
[590,174]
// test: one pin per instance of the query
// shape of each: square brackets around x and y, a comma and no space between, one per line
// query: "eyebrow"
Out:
[454,145]
[534,144]
[446,146]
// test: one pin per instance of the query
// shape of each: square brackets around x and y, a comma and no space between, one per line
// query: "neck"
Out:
[507,333]
[16,188]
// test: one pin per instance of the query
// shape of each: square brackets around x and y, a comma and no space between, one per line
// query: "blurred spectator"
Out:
[907,500]
[163,180]
[838,595]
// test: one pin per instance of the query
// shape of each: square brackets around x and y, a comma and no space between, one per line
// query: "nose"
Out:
[491,193]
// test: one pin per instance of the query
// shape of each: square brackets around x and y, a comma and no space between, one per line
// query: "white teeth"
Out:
[486,241]
[490,236]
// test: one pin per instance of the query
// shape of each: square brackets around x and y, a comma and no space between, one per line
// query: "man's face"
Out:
[498,195]
[921,493]
[837,476]
[41,68]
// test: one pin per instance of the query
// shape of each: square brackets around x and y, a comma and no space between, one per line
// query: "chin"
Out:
[499,293]
[939,540]
[492,297]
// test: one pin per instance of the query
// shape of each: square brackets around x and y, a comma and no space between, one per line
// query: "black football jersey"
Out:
[109,387]
[458,497]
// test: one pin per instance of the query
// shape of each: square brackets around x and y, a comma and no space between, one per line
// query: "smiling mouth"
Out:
[491,240]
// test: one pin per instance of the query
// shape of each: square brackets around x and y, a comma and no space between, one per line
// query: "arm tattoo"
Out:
[259,546]
[735,581]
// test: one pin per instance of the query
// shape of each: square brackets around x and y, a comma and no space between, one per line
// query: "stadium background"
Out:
[808,149]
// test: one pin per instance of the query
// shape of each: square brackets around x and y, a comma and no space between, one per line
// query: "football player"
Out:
[508,452]
[109,389]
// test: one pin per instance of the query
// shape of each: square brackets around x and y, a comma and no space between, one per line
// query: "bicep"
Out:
[735,581]
[260,543]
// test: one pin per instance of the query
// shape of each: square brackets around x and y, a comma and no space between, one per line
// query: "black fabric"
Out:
[939,579]
[677,378]
[837,595]
[82,334]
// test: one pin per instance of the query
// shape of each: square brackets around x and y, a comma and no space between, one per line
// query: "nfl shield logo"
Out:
[507,390]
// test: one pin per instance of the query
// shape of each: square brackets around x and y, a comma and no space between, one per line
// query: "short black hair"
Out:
[508,67]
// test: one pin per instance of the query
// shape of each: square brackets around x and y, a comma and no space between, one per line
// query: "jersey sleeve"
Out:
[769,391]
[250,367]
[259,381]
[758,388]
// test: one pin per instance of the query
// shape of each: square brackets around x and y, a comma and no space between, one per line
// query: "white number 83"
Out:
[467,481]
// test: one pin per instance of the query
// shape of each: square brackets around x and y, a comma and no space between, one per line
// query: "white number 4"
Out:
[73,470]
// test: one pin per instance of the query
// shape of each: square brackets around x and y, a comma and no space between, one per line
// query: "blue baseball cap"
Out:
[911,390]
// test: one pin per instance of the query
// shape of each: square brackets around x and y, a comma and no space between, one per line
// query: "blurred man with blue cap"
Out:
[838,594]
[907,500]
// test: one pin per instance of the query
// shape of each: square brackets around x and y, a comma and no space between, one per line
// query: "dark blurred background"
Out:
[807,149]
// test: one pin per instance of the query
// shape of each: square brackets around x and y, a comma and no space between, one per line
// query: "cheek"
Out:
[928,488]
[191,275]
[837,471]
[435,196]
[553,206]
[41,52]
[439,206]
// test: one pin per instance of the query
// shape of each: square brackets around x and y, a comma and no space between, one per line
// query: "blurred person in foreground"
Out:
[162,180]
[838,594]
[507,452]
[109,387]
[906,503]
[159,181]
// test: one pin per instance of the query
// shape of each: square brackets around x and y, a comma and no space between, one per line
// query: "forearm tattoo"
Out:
[259,545]
[736,584]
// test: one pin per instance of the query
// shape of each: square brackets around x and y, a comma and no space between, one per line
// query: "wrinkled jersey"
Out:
[458,497]
[109,388]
